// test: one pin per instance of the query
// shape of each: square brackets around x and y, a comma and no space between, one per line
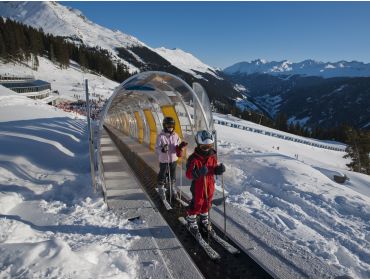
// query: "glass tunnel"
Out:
[138,106]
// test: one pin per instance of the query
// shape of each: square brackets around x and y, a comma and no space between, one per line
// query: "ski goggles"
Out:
[169,126]
[205,147]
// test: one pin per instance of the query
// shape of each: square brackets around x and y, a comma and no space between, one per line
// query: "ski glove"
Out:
[199,172]
[165,148]
[219,169]
[183,144]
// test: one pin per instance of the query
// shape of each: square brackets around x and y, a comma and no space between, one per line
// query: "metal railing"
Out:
[277,135]
[9,78]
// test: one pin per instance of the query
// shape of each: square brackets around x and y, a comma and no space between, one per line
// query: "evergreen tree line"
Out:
[358,140]
[19,42]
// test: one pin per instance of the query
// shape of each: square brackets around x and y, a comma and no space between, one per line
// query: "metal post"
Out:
[223,194]
[91,138]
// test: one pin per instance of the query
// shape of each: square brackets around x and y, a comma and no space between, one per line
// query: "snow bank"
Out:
[52,225]
[298,197]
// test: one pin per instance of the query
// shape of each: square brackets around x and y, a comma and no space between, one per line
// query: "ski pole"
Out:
[180,177]
[179,189]
[209,210]
[169,175]
[223,194]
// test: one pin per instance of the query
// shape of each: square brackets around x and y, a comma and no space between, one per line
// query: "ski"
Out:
[228,247]
[165,202]
[208,249]
[183,203]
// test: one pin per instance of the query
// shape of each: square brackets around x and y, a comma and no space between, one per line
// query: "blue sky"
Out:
[223,33]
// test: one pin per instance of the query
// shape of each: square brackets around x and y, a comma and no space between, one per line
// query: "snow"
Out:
[307,67]
[301,122]
[69,82]
[270,103]
[60,20]
[186,62]
[290,188]
[245,104]
[52,224]
[5,91]
[240,88]
[57,19]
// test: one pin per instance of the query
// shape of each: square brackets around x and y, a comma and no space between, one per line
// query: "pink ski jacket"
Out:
[173,141]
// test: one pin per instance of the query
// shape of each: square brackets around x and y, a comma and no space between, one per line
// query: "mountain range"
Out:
[307,67]
[310,100]
[314,93]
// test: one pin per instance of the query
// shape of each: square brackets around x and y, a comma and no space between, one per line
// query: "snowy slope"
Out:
[186,62]
[5,91]
[307,67]
[68,82]
[57,19]
[290,188]
[52,225]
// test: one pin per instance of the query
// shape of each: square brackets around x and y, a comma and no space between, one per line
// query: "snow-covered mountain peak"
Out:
[186,61]
[259,61]
[308,67]
[57,19]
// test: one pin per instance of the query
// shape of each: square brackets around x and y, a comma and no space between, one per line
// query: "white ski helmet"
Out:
[203,137]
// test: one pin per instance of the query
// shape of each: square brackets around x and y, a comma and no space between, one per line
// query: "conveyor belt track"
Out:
[230,266]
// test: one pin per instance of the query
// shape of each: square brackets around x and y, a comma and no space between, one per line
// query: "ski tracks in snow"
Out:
[302,203]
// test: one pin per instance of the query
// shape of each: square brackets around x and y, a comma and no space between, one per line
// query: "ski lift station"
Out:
[126,168]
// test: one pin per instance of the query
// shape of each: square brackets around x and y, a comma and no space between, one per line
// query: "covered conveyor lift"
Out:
[132,119]
[138,106]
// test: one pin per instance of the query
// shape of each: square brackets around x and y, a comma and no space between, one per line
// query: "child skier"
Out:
[168,149]
[201,168]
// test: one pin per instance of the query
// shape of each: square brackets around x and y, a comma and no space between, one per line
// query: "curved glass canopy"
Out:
[138,106]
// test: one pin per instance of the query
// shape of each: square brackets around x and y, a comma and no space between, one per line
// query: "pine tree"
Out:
[281,121]
[82,59]
[2,46]
[353,149]
[35,62]
[51,52]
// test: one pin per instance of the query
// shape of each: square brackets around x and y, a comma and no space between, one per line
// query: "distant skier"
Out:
[168,149]
[201,168]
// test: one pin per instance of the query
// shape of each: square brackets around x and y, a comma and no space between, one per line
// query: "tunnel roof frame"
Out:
[144,79]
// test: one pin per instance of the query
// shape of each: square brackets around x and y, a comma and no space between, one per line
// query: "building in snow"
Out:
[28,86]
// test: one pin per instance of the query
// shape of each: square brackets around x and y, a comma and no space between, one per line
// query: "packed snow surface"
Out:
[52,224]
[289,187]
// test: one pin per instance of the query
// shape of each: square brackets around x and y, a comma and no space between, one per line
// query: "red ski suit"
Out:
[198,204]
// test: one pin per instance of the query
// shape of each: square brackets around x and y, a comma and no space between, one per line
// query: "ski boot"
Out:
[193,225]
[205,224]
[173,190]
[162,192]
